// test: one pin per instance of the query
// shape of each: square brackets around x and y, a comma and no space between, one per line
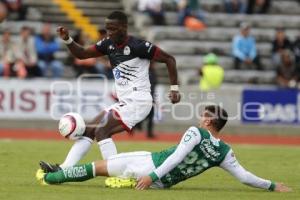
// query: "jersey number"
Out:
[191,165]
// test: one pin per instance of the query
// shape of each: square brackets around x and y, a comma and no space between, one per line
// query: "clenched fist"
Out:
[63,33]
[174,96]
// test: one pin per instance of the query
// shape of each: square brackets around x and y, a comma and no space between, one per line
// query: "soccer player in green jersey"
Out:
[199,149]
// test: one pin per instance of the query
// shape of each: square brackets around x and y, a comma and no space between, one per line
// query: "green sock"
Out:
[76,173]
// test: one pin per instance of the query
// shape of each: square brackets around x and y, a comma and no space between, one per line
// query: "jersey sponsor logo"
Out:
[119,78]
[126,51]
[117,73]
[124,73]
[209,150]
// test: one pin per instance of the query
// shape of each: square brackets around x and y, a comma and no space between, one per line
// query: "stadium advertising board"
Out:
[271,106]
[46,99]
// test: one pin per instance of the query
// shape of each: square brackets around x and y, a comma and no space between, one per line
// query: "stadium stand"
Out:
[187,46]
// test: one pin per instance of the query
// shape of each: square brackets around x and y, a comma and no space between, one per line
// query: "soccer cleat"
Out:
[40,174]
[47,167]
[115,182]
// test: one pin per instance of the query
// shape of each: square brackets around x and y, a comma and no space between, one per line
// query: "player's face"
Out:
[205,120]
[116,31]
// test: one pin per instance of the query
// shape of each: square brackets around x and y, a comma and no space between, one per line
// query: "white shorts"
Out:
[132,165]
[132,109]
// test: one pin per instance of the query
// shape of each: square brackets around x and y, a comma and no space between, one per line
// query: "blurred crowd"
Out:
[34,55]
[192,8]
[13,8]
[285,53]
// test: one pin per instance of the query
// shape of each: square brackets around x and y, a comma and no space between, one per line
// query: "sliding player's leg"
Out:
[77,173]
[119,117]
[127,167]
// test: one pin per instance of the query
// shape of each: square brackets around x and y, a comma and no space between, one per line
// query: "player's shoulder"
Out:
[193,130]
[104,41]
[135,41]
[225,145]
[192,134]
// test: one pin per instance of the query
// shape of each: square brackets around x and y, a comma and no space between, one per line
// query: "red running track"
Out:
[32,134]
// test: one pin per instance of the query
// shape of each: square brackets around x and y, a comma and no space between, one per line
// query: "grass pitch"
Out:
[19,162]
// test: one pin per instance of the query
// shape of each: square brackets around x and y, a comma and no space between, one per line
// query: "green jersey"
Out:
[205,152]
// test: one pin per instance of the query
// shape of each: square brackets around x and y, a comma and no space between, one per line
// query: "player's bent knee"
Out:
[101,134]
[90,133]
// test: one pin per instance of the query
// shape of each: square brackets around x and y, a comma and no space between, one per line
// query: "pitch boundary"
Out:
[254,139]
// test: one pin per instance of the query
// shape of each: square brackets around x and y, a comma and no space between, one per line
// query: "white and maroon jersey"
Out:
[130,62]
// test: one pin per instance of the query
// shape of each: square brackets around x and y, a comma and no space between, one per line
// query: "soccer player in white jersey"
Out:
[199,150]
[130,59]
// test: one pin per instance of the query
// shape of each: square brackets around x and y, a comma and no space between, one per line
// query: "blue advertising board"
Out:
[271,106]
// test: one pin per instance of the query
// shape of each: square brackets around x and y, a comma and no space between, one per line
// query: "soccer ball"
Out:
[71,126]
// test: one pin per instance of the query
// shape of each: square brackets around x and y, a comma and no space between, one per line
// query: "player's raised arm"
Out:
[231,165]
[170,62]
[77,50]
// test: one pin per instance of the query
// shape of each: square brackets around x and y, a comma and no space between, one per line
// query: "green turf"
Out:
[19,161]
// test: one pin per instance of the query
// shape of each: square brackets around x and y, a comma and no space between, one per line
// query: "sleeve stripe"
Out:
[272,186]
[153,176]
[94,47]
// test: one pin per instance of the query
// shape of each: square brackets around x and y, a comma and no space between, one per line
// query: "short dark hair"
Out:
[219,116]
[102,31]
[118,15]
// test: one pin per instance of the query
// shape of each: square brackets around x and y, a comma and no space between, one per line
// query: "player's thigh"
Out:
[130,165]
[111,126]
[136,109]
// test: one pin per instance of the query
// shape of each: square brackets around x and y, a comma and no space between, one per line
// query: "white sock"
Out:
[107,148]
[78,150]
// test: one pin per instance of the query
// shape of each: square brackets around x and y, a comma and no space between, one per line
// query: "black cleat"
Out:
[46,167]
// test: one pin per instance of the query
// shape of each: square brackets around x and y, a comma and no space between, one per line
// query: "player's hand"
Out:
[63,32]
[280,187]
[143,183]
[174,96]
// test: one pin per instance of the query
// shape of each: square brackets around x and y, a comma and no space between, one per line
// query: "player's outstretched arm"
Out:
[77,50]
[170,62]
[231,165]
[188,141]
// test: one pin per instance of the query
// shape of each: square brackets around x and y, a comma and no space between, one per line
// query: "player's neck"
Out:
[123,41]
[214,133]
